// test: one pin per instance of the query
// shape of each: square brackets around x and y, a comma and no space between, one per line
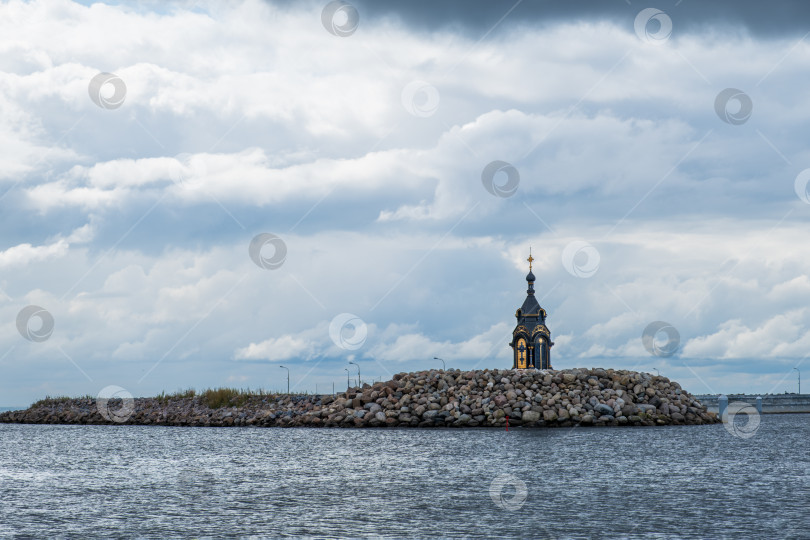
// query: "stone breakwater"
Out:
[591,397]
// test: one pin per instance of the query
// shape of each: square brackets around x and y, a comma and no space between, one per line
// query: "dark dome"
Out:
[530,277]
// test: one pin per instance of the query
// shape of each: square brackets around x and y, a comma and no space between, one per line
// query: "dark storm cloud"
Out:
[479,16]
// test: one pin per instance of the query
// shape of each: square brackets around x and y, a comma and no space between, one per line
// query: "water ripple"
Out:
[157,482]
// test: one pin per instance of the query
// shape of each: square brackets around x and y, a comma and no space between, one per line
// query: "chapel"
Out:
[531,340]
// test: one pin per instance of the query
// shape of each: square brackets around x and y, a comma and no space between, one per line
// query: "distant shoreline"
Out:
[771,403]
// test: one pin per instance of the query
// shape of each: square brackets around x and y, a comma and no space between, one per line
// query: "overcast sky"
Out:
[652,155]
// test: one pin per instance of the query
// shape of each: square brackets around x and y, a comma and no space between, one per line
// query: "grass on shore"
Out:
[214,398]
[48,400]
[227,397]
[163,397]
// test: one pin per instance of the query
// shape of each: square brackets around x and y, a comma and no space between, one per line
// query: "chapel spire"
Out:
[530,276]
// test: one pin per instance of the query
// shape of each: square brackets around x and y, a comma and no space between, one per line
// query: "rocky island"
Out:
[435,398]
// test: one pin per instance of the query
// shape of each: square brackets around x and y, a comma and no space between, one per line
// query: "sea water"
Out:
[661,482]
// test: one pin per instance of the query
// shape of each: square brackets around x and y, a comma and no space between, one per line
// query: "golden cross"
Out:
[530,259]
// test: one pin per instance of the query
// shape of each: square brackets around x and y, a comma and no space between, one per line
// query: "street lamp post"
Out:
[359,381]
[657,372]
[444,366]
[799,373]
[288,378]
[348,384]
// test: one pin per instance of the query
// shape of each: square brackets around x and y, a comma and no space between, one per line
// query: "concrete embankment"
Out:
[436,398]
[771,403]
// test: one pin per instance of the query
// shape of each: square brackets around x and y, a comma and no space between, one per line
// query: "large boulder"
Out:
[601,408]
[373,408]
[531,416]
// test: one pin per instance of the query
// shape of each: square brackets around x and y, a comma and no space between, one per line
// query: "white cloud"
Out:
[291,130]
[280,348]
[488,345]
[783,335]
[22,255]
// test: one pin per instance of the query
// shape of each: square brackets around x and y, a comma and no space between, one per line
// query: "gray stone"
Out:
[372,407]
[531,416]
[603,409]
[628,410]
